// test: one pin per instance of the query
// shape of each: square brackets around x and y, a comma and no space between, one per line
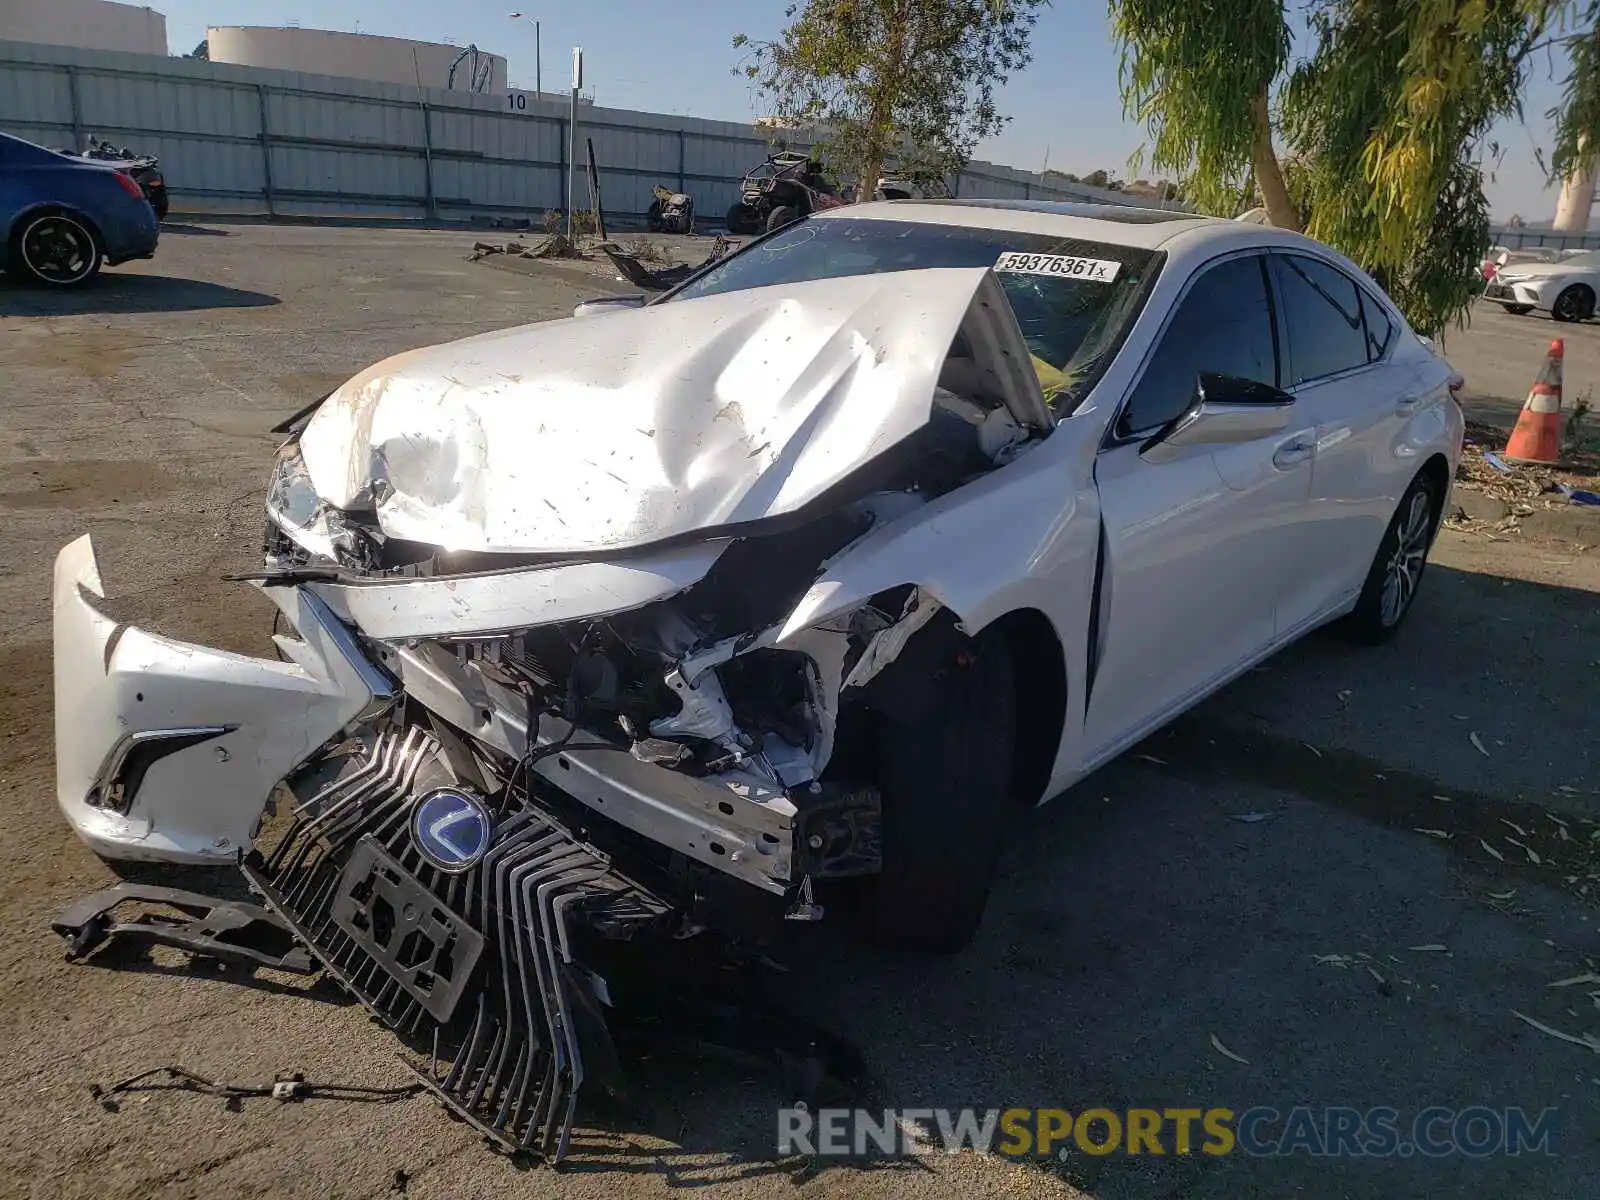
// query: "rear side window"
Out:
[1223,325]
[1322,314]
[1380,328]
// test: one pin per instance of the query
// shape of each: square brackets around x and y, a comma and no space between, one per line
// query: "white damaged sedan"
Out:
[803,572]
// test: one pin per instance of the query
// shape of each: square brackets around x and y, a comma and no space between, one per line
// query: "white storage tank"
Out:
[358,56]
[88,24]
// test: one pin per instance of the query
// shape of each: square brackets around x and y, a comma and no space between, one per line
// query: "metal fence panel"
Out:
[1523,238]
[36,96]
[243,139]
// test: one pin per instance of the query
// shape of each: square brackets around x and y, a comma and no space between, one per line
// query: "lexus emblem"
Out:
[451,829]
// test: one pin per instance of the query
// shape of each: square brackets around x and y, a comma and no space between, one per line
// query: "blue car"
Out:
[62,218]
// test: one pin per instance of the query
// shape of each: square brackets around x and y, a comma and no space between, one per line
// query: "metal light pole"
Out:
[572,131]
[538,54]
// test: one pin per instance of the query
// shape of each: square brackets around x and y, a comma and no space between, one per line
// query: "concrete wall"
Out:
[257,141]
[91,24]
[357,56]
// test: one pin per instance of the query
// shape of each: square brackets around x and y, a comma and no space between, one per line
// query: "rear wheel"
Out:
[1396,570]
[160,202]
[1575,303]
[784,214]
[55,249]
[945,774]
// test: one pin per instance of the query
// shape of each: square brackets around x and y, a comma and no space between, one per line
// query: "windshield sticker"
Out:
[1096,270]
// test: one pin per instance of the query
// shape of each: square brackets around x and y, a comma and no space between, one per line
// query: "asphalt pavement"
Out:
[1500,355]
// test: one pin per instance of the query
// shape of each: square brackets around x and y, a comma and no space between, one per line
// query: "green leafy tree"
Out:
[913,81]
[1391,115]
[1383,127]
[1198,74]
[1577,117]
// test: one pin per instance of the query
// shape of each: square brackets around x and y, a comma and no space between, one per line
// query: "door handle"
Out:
[1294,451]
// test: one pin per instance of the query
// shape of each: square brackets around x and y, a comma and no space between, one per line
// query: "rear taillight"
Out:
[128,184]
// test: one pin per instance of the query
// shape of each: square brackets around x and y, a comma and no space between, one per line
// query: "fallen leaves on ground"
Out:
[1586,1039]
[1572,981]
[1225,1052]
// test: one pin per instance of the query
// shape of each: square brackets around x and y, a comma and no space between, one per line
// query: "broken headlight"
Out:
[295,508]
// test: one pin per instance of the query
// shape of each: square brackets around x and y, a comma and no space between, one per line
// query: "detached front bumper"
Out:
[167,751]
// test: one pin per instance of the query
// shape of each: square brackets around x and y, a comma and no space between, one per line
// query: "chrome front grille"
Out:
[477,968]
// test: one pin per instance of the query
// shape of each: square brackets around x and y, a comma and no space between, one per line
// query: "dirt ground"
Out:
[1276,873]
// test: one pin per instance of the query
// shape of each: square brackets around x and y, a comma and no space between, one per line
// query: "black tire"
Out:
[1377,617]
[945,772]
[743,219]
[1575,303]
[161,203]
[1519,310]
[54,249]
[784,214]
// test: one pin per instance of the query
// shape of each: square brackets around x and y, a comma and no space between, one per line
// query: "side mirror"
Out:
[602,304]
[1226,410]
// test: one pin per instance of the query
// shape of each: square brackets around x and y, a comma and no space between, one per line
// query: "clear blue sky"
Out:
[665,57]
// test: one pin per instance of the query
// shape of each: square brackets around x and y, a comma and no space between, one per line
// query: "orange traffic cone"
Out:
[1537,437]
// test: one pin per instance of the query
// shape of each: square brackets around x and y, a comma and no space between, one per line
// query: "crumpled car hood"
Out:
[621,429]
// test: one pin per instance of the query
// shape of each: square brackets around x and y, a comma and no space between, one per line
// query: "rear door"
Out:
[1196,548]
[1342,373]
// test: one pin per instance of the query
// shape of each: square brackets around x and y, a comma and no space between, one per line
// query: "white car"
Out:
[788,583]
[1566,289]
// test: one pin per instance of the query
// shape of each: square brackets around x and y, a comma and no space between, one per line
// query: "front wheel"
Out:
[1519,310]
[1575,303]
[159,202]
[1396,570]
[945,773]
[55,249]
[784,214]
[742,218]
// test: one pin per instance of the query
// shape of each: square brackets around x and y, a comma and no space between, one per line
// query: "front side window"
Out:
[1222,325]
[1322,314]
[1072,326]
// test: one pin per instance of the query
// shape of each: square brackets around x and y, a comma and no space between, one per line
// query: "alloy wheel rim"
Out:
[1404,569]
[58,249]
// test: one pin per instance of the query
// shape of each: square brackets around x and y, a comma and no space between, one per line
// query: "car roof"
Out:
[1147,227]
[1186,237]
[27,145]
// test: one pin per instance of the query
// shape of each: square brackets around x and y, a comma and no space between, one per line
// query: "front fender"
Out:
[1021,538]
